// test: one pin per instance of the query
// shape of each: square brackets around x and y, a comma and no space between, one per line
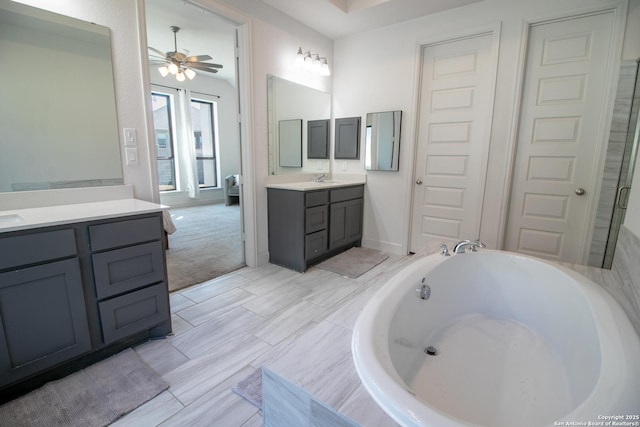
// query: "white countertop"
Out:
[23,219]
[312,185]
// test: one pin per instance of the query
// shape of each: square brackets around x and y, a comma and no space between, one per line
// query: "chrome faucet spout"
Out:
[320,178]
[473,246]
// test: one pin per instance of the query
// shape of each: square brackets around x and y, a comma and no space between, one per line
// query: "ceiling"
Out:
[207,33]
[339,18]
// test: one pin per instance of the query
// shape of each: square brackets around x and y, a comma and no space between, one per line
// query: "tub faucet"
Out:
[320,178]
[473,245]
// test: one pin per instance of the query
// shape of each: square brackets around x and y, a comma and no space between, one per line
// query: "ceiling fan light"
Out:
[180,76]
[173,68]
[164,70]
[189,73]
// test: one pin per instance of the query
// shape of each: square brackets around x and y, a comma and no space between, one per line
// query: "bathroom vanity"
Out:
[78,283]
[309,221]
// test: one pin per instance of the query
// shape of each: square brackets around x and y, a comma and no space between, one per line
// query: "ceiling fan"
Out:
[179,64]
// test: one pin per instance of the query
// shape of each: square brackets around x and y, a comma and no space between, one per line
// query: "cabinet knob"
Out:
[580,191]
[419,181]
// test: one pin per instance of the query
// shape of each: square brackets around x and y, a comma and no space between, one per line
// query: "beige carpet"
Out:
[92,397]
[206,244]
[353,262]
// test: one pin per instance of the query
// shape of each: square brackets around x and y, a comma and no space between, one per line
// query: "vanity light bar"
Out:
[313,61]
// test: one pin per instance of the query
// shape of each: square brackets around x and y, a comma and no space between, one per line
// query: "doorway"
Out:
[197,133]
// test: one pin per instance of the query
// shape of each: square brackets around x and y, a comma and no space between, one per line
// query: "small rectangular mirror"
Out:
[290,141]
[382,141]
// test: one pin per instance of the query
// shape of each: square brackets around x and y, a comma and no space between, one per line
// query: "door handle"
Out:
[419,181]
[619,196]
[580,191]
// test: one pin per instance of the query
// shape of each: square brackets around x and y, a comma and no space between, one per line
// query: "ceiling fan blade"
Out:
[164,55]
[205,64]
[203,68]
[198,58]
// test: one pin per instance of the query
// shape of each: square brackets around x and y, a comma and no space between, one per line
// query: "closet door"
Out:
[560,138]
[456,110]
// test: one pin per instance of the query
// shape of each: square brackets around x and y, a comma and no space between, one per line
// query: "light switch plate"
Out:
[130,139]
[132,156]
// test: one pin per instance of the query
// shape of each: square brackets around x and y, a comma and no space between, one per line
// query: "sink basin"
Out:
[10,219]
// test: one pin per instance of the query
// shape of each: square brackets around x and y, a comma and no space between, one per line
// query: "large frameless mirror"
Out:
[58,118]
[289,101]
[382,141]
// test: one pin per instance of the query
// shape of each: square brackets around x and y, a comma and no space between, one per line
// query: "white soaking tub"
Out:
[517,342]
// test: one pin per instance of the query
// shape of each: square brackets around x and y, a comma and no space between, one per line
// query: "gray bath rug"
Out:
[353,262]
[250,388]
[95,396]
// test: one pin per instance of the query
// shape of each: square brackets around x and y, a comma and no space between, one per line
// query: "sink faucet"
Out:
[472,244]
[320,178]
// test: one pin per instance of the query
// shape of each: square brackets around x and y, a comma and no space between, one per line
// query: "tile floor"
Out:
[298,325]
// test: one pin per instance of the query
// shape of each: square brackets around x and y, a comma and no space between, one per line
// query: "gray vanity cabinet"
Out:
[73,294]
[43,321]
[306,227]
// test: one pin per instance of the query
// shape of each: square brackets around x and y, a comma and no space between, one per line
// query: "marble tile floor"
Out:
[297,325]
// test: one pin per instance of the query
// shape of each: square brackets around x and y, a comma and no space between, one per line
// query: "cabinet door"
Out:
[345,224]
[347,138]
[315,244]
[318,139]
[43,320]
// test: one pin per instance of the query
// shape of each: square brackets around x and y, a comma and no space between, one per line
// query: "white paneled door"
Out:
[559,138]
[456,107]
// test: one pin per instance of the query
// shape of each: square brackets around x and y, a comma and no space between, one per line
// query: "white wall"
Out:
[273,53]
[375,71]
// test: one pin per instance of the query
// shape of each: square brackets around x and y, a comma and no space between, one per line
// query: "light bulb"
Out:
[163,71]
[180,76]
[316,62]
[190,73]
[173,68]
[308,61]
[324,68]
[299,57]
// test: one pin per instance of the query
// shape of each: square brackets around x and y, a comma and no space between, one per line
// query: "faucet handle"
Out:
[477,244]
[444,250]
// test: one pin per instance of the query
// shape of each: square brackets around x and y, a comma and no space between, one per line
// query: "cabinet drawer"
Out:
[316,198]
[36,247]
[127,269]
[315,219]
[135,312]
[346,193]
[123,233]
[315,244]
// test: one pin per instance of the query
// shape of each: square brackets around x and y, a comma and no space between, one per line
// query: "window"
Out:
[204,140]
[175,164]
[162,118]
